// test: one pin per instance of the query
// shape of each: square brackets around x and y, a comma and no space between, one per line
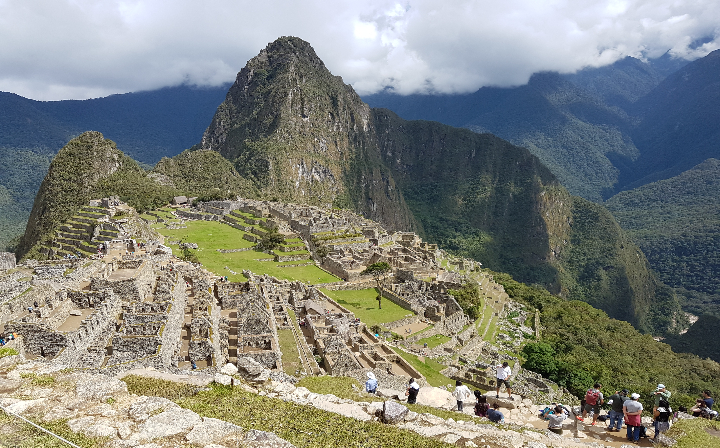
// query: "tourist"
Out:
[632,409]
[616,412]
[555,418]
[412,391]
[482,406]
[593,401]
[662,416]
[503,377]
[660,394]
[703,405]
[461,393]
[494,415]
[371,384]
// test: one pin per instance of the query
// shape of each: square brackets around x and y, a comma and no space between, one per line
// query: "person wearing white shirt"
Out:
[461,393]
[503,377]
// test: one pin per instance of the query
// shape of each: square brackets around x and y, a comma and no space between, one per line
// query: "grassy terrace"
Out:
[362,302]
[290,355]
[429,368]
[212,235]
[303,426]
[434,341]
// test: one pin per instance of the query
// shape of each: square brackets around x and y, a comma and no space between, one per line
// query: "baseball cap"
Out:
[635,396]
[661,386]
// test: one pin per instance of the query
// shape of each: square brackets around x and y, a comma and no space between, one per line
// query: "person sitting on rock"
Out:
[371,384]
[412,391]
[555,417]
[482,406]
[494,415]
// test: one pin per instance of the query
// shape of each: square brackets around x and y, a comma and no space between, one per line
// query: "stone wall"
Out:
[7,260]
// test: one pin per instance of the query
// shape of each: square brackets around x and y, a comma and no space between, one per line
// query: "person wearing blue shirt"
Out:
[707,398]
[494,415]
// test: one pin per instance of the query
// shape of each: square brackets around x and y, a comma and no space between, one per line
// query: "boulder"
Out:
[262,439]
[249,366]
[98,387]
[436,397]
[211,430]
[390,393]
[229,369]
[225,380]
[169,423]
[141,409]
[393,412]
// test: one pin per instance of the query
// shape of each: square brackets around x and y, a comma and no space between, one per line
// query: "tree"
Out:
[271,240]
[321,252]
[379,272]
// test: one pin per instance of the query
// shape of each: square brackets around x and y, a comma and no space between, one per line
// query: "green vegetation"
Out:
[581,345]
[302,426]
[271,240]
[213,235]
[18,434]
[434,341]
[692,433]
[362,303]
[468,297]
[676,222]
[7,351]
[379,271]
[290,355]
[340,386]
[429,368]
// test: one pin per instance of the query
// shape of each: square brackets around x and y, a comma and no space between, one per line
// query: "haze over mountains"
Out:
[322,144]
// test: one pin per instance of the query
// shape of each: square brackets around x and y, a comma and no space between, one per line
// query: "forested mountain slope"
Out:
[680,123]
[676,222]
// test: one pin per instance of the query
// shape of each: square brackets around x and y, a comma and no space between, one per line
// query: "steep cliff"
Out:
[302,135]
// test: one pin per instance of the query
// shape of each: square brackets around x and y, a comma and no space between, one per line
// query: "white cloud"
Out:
[54,49]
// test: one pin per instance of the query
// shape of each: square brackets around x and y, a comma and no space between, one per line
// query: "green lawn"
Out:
[362,302]
[290,355]
[212,235]
[434,341]
[430,368]
[340,386]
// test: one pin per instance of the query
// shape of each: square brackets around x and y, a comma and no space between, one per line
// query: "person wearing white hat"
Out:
[661,394]
[633,409]
[371,384]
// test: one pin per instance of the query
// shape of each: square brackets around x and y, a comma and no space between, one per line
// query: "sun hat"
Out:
[371,375]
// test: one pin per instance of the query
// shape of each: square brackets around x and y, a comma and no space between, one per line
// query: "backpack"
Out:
[591,397]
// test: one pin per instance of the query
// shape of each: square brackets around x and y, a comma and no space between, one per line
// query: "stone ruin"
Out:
[7,261]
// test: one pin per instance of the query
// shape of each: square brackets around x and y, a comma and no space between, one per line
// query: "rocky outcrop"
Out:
[302,135]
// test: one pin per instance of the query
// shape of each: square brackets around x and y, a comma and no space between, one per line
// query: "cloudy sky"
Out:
[60,49]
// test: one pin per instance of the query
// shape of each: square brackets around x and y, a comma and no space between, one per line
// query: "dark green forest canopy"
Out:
[581,345]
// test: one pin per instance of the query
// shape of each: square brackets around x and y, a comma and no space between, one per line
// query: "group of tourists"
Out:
[625,407]
[4,339]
